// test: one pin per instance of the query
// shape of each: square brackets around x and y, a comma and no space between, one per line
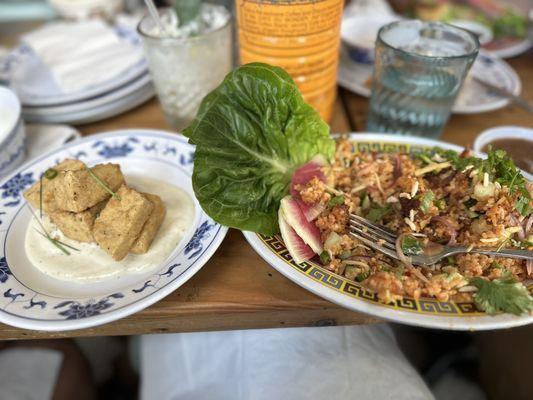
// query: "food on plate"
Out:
[121,221]
[440,195]
[77,226]
[151,227]
[258,121]
[519,149]
[169,223]
[270,157]
[94,205]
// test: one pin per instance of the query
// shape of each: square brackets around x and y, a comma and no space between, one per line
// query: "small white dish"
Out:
[12,135]
[34,300]
[483,32]
[359,34]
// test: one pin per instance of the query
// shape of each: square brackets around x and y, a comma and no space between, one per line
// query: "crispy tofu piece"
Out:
[33,193]
[77,226]
[121,221]
[76,191]
[150,228]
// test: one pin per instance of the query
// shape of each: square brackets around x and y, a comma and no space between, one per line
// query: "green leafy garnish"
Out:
[50,173]
[376,214]
[426,200]
[504,294]
[103,184]
[500,167]
[450,260]
[335,201]
[325,257]
[251,133]
[362,276]
[411,246]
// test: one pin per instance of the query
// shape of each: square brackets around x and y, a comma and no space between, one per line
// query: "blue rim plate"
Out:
[30,299]
[426,312]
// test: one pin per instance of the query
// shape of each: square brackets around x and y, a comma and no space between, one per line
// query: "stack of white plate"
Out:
[44,101]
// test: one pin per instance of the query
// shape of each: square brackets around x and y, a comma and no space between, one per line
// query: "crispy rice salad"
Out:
[449,198]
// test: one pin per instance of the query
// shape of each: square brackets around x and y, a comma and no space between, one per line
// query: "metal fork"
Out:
[384,240]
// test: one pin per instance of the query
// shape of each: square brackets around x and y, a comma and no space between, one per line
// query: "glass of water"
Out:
[186,63]
[418,71]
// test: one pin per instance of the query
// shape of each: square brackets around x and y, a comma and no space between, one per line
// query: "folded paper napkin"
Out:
[82,54]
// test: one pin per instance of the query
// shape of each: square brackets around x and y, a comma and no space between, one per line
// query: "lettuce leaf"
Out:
[251,133]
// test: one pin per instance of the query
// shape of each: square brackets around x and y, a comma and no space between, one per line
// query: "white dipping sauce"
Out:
[91,263]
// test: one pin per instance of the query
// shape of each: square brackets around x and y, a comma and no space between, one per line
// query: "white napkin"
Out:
[82,54]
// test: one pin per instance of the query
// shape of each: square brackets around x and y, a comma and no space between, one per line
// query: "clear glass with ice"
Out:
[187,62]
[418,71]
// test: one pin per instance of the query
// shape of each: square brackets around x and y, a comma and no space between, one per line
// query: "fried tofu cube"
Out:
[76,191]
[150,228]
[78,226]
[32,195]
[121,221]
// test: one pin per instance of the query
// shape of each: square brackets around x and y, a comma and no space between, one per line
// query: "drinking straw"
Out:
[155,15]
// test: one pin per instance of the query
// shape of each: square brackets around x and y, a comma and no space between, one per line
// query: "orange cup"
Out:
[300,36]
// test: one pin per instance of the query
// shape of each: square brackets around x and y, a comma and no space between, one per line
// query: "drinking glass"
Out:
[418,71]
[185,68]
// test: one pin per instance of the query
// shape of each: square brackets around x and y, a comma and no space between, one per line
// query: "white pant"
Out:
[354,362]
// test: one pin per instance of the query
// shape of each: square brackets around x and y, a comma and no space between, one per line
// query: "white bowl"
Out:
[84,9]
[12,135]
[359,34]
[503,132]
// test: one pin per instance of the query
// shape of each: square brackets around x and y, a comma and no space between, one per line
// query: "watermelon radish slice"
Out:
[299,251]
[307,172]
[311,211]
[307,231]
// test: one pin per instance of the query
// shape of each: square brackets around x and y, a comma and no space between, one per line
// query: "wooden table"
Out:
[236,289]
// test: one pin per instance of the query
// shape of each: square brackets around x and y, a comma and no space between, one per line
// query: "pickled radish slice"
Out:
[295,217]
[299,251]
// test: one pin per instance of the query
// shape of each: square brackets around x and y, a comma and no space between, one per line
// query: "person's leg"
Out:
[362,362]
[74,378]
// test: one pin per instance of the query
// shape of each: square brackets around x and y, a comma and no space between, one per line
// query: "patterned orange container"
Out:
[301,36]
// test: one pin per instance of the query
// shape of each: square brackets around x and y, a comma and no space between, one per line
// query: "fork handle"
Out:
[511,253]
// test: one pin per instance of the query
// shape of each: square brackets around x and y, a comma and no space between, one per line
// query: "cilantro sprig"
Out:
[504,294]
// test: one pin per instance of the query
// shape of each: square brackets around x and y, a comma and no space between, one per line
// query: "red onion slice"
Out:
[450,229]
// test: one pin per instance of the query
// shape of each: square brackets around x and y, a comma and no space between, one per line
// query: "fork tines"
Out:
[373,235]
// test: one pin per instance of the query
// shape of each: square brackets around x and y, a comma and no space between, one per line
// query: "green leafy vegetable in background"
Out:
[502,295]
[411,246]
[251,133]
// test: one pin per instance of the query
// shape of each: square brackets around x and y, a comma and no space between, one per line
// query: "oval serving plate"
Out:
[426,312]
[32,300]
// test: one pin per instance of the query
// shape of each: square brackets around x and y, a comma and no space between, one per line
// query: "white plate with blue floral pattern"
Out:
[32,300]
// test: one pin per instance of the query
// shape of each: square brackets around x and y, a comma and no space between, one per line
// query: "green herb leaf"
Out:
[376,214]
[325,257]
[522,206]
[502,295]
[335,201]
[103,184]
[251,133]
[362,276]
[450,260]
[426,200]
[411,246]
[50,173]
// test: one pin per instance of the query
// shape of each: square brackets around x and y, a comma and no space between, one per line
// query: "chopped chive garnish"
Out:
[59,244]
[103,184]
[55,242]
[50,173]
